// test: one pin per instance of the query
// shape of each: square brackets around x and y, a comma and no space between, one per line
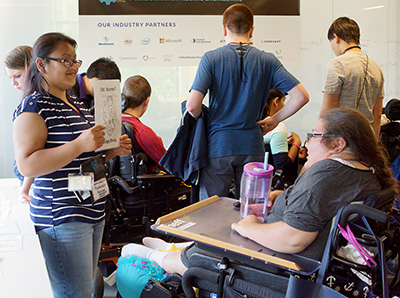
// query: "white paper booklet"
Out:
[107,112]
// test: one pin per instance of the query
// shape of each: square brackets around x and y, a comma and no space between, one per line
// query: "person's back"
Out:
[237,97]
[359,79]
[136,96]
[353,79]
[238,78]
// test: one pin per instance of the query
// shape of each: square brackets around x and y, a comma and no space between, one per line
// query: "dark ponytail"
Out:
[273,93]
[43,47]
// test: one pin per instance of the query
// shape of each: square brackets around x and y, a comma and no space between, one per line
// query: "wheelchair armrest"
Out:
[196,272]
[351,264]
[155,177]
[366,211]
[148,180]
[121,182]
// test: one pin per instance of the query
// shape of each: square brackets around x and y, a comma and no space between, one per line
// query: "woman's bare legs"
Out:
[172,263]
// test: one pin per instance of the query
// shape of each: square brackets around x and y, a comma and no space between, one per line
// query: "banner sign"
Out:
[184,7]
[175,40]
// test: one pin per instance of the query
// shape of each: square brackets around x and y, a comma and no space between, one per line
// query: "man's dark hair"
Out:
[345,28]
[136,90]
[238,18]
[103,69]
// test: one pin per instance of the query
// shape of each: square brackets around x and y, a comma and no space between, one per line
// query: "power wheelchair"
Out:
[136,200]
[229,275]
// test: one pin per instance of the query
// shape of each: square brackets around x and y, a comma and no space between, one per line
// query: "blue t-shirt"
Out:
[52,203]
[237,99]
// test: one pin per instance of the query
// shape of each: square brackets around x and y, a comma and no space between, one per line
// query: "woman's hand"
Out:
[243,226]
[24,198]
[92,138]
[272,197]
[125,146]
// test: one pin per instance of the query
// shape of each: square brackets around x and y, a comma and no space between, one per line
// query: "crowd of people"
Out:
[55,137]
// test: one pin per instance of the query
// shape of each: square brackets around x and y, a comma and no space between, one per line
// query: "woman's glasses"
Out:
[311,135]
[67,62]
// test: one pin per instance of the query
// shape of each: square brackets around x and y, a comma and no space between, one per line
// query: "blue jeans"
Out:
[216,178]
[72,251]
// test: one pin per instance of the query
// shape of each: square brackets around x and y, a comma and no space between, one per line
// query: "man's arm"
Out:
[298,98]
[329,102]
[377,113]
[277,236]
[194,102]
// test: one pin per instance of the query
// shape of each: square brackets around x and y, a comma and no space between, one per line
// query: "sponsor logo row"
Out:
[165,58]
[146,41]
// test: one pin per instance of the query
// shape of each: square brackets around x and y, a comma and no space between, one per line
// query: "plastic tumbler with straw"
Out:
[255,189]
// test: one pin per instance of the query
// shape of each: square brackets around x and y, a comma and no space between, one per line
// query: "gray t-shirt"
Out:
[346,75]
[317,195]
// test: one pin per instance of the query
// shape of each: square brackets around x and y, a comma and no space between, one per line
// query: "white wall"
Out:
[22,21]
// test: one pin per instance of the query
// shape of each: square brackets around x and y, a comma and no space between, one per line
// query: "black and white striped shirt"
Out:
[52,203]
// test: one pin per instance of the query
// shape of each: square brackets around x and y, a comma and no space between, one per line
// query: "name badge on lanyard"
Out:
[91,182]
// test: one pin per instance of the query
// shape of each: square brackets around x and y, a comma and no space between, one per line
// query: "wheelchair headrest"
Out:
[392,109]
[382,200]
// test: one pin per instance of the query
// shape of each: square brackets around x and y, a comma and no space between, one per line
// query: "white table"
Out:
[23,272]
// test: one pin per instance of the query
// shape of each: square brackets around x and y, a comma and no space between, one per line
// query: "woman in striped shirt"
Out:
[54,135]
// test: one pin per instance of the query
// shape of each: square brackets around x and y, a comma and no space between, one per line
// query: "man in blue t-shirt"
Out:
[238,78]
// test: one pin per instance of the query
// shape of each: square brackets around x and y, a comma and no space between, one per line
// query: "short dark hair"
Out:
[345,28]
[103,69]
[43,47]
[19,58]
[273,93]
[136,90]
[238,18]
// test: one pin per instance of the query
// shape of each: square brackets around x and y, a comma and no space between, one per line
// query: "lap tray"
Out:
[208,223]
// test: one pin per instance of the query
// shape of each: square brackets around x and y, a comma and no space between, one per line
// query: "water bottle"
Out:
[255,189]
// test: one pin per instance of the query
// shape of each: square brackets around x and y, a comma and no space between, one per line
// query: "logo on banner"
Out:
[278,54]
[147,58]
[127,58]
[145,41]
[271,41]
[167,58]
[189,57]
[168,40]
[108,2]
[106,42]
[128,41]
[200,40]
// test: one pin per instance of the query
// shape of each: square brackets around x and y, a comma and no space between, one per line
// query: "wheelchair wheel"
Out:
[98,284]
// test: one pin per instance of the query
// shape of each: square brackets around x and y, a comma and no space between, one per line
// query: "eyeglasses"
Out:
[67,62]
[319,135]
